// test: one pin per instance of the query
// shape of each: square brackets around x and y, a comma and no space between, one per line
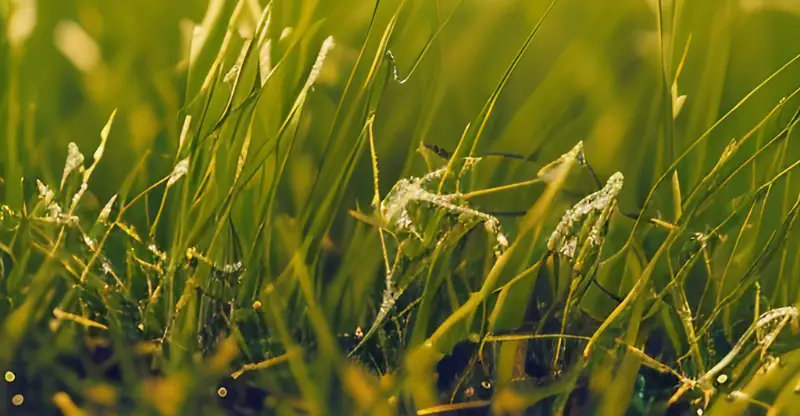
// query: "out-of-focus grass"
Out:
[242,230]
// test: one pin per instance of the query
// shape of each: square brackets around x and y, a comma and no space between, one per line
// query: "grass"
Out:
[399,207]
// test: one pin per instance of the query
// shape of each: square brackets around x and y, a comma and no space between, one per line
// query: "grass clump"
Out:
[399,207]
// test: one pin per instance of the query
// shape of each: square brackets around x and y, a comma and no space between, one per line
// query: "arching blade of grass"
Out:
[420,360]
[219,209]
[484,115]
[214,234]
[646,275]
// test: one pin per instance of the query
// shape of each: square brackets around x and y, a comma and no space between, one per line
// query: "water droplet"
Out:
[17,400]
[222,392]
[10,377]
[469,392]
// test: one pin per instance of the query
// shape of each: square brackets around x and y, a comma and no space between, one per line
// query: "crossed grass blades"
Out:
[214,289]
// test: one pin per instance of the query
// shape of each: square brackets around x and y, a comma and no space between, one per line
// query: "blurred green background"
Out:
[593,74]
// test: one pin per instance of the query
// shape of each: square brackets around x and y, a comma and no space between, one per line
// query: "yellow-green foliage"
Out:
[399,206]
